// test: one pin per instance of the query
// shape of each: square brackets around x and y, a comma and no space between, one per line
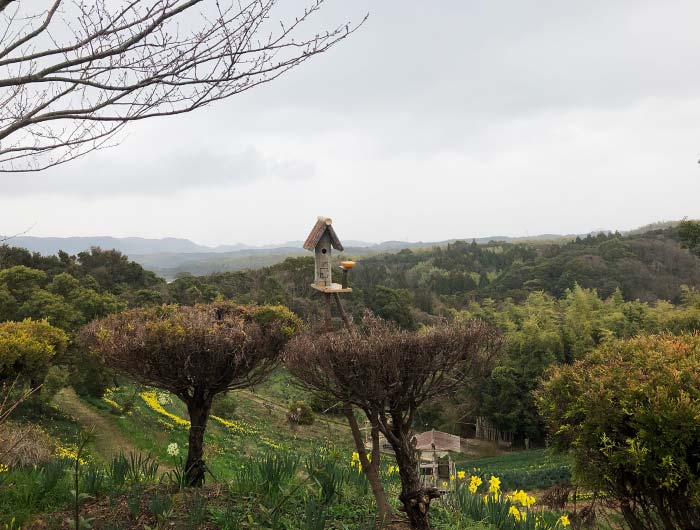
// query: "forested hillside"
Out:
[553,301]
[412,286]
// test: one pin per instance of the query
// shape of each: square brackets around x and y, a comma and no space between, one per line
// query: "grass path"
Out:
[108,439]
[283,409]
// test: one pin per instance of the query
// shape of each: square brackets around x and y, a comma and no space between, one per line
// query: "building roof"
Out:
[437,440]
[323,225]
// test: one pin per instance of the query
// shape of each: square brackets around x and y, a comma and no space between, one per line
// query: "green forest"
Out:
[553,301]
[97,330]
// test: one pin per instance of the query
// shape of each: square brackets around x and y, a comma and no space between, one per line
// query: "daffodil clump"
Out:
[151,399]
[241,427]
[173,450]
[69,453]
[237,427]
[109,399]
[156,401]
[111,402]
[511,511]
[355,461]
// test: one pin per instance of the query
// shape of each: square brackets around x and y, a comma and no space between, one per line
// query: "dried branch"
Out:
[73,74]
[4,238]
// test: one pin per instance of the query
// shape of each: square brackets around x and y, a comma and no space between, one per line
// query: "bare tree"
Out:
[194,352]
[388,373]
[74,73]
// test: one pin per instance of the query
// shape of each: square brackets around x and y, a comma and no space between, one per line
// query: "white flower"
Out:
[164,398]
[173,449]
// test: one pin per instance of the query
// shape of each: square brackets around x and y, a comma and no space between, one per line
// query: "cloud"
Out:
[435,120]
[161,170]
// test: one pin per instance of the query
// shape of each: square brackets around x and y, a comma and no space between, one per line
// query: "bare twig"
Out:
[74,73]
[18,234]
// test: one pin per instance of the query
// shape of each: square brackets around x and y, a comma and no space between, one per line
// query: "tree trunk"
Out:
[416,499]
[4,4]
[198,408]
[370,469]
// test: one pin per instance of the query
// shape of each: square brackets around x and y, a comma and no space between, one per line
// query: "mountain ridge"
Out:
[171,256]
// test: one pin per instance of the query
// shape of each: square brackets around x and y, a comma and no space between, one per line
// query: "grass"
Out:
[254,429]
[264,473]
[279,490]
[528,470]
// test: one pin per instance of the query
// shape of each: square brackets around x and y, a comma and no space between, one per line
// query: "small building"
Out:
[322,240]
[432,447]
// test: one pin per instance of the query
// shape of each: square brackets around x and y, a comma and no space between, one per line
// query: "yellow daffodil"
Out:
[474,483]
[151,400]
[514,512]
[461,475]
[564,520]
[495,485]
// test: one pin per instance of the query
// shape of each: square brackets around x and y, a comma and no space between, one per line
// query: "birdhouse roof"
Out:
[323,225]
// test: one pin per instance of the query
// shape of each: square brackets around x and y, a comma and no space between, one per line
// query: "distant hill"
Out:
[170,265]
[419,285]
[126,245]
[170,257]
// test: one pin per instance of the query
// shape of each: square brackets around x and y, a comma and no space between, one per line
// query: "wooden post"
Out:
[436,466]
[343,314]
[328,322]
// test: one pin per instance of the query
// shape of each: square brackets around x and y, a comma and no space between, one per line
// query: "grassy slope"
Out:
[258,428]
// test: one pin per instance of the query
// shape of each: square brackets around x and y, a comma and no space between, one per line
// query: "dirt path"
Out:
[109,440]
[284,409]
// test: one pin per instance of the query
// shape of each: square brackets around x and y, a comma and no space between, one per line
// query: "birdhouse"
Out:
[322,240]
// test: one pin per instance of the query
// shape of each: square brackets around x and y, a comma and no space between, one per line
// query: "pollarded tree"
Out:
[74,73]
[388,373]
[194,352]
[26,349]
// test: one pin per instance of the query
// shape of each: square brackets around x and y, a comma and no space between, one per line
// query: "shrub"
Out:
[629,414]
[324,403]
[90,377]
[56,379]
[24,445]
[27,347]
[224,405]
[300,414]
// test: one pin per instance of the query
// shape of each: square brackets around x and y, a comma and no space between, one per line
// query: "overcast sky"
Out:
[435,120]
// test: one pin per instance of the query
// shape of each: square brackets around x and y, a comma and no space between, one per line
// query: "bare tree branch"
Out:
[74,73]
[4,4]
[4,238]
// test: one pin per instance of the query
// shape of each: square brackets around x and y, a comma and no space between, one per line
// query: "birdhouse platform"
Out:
[332,288]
